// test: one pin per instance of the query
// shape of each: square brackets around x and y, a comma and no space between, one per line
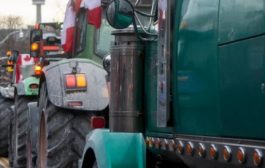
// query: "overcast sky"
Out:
[53,10]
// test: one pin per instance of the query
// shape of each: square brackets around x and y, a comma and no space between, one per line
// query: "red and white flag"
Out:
[22,61]
[68,27]
[94,11]
[26,59]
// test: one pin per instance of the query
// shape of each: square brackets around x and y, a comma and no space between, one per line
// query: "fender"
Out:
[33,125]
[95,98]
[113,150]
[23,88]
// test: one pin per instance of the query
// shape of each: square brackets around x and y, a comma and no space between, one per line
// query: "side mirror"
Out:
[106,63]
[35,42]
[120,14]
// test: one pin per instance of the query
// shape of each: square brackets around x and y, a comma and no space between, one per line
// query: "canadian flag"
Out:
[68,28]
[94,11]
[23,60]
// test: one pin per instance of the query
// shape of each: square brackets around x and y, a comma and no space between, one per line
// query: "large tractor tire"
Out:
[19,126]
[62,134]
[5,115]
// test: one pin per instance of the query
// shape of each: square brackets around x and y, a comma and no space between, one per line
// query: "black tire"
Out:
[19,131]
[61,134]
[5,115]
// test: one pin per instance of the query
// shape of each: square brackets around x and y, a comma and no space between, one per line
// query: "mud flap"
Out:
[114,150]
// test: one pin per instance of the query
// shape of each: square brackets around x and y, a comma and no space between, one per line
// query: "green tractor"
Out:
[25,90]
[187,88]
[73,96]
[44,40]
[6,100]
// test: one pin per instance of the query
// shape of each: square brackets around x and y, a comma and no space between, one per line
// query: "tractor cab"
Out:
[45,40]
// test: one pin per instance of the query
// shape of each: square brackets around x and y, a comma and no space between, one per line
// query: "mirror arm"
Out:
[144,14]
[137,2]
[153,12]
[141,37]
[141,25]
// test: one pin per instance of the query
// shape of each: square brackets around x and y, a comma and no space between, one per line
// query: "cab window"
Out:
[81,26]
[103,38]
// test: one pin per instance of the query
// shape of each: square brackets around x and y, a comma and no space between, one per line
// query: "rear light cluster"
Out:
[75,82]
[225,153]
[37,70]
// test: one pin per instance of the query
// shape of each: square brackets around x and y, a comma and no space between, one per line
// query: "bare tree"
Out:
[11,22]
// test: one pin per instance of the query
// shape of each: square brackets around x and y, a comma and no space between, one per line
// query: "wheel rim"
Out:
[42,144]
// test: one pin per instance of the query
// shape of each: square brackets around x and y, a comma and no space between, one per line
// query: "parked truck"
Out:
[187,92]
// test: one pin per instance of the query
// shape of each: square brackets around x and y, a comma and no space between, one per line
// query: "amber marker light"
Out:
[201,150]
[213,152]
[37,70]
[9,53]
[157,143]
[241,155]
[180,147]
[34,46]
[257,157]
[171,145]
[149,142]
[81,80]
[190,148]
[164,144]
[227,153]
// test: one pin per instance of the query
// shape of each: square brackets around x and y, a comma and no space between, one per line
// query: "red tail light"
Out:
[70,81]
[97,122]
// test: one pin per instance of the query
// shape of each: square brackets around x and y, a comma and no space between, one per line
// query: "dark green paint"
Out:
[242,72]
[241,19]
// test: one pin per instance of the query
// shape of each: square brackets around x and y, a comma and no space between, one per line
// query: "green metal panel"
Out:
[242,70]
[241,19]
[27,82]
[195,74]
[113,150]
